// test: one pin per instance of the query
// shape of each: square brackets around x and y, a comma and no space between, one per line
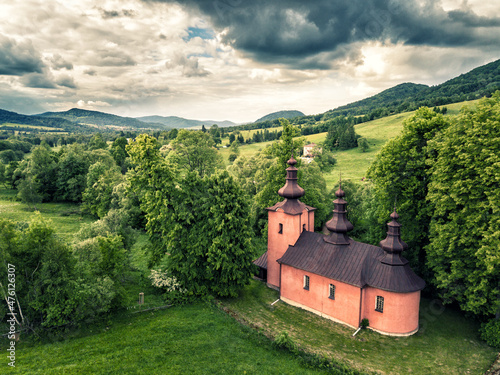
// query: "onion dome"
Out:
[339,225]
[291,190]
[393,245]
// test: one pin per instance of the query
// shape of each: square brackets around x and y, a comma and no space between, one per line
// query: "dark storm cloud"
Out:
[66,81]
[291,31]
[37,80]
[18,58]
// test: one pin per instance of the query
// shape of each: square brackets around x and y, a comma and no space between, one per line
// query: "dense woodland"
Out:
[206,222]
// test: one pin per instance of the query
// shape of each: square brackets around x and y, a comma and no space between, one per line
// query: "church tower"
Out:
[286,221]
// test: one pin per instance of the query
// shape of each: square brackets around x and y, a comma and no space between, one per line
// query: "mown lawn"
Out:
[447,343]
[192,339]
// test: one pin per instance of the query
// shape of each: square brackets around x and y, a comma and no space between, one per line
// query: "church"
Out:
[333,275]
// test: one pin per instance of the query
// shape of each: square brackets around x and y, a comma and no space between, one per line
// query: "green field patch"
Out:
[192,339]
[66,217]
[46,128]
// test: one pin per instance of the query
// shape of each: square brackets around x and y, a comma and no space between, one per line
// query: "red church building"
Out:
[334,276]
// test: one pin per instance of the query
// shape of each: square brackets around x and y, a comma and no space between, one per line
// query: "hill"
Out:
[179,122]
[479,82]
[41,121]
[280,114]
[394,94]
[101,119]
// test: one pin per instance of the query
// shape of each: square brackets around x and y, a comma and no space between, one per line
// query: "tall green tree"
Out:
[71,175]
[119,152]
[98,193]
[463,252]
[401,173]
[41,171]
[195,151]
[200,225]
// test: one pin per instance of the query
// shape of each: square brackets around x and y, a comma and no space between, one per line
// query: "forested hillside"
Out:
[58,123]
[280,114]
[101,119]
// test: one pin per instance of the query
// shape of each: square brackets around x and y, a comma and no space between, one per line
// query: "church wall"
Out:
[277,243]
[344,308]
[400,313]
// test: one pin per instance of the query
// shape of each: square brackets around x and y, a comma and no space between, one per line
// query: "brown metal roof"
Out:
[261,261]
[291,207]
[357,264]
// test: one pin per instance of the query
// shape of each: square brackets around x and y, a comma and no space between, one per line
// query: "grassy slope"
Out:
[353,163]
[447,343]
[194,339]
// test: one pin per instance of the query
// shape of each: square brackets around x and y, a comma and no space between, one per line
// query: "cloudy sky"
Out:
[232,59]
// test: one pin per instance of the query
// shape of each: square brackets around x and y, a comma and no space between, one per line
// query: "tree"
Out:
[363,144]
[465,229]
[323,159]
[71,176]
[274,177]
[209,246]
[401,173]
[199,225]
[119,152]
[97,142]
[40,175]
[195,151]
[98,193]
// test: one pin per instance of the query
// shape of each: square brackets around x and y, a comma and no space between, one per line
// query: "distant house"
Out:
[334,276]
[308,150]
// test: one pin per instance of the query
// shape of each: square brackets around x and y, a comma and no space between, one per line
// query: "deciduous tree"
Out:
[464,191]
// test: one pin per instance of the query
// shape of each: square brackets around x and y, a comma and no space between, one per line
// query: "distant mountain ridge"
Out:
[280,114]
[16,118]
[179,122]
[101,119]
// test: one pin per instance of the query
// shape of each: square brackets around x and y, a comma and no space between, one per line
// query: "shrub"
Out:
[364,323]
[284,341]
[490,332]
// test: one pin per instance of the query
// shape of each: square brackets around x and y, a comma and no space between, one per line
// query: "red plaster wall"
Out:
[400,314]
[345,307]
[277,243]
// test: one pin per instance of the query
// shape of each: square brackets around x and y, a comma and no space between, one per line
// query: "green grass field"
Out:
[192,339]
[23,127]
[66,218]
[447,342]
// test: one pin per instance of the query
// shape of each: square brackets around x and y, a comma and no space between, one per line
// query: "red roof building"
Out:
[334,276]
